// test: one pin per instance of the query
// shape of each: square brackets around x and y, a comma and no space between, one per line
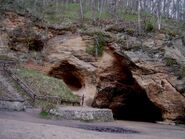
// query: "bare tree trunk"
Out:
[139,16]
[81,10]
[159,14]
[94,11]
[101,8]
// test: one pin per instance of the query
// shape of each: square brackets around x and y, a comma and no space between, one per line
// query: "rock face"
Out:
[83,114]
[135,86]
[158,73]
[164,95]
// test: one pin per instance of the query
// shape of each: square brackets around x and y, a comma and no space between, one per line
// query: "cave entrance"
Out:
[128,103]
[136,106]
[72,81]
[70,75]
[119,91]
[36,45]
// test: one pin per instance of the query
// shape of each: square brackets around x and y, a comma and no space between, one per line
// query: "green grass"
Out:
[130,17]
[44,114]
[5,57]
[66,13]
[45,85]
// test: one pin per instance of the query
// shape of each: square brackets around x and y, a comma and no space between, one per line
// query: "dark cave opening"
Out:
[36,45]
[69,74]
[137,107]
[128,103]
[119,91]
[72,81]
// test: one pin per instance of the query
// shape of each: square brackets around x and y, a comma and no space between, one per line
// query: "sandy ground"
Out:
[28,125]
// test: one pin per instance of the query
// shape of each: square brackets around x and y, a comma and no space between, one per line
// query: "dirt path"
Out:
[21,125]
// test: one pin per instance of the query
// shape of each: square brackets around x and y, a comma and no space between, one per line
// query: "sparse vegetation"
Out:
[130,31]
[136,48]
[171,33]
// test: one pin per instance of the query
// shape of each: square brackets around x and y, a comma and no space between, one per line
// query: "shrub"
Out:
[149,27]
[181,73]
[44,114]
[46,106]
[26,37]
[170,61]
[99,44]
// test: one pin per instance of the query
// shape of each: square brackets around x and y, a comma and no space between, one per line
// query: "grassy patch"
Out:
[45,85]
[44,114]
[170,61]
[62,14]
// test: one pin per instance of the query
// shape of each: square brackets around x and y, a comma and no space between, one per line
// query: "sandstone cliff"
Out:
[139,79]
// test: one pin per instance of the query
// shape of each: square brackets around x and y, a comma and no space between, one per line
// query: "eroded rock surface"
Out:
[159,76]
[68,57]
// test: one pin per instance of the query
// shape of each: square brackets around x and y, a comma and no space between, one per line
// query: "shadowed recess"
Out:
[70,75]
